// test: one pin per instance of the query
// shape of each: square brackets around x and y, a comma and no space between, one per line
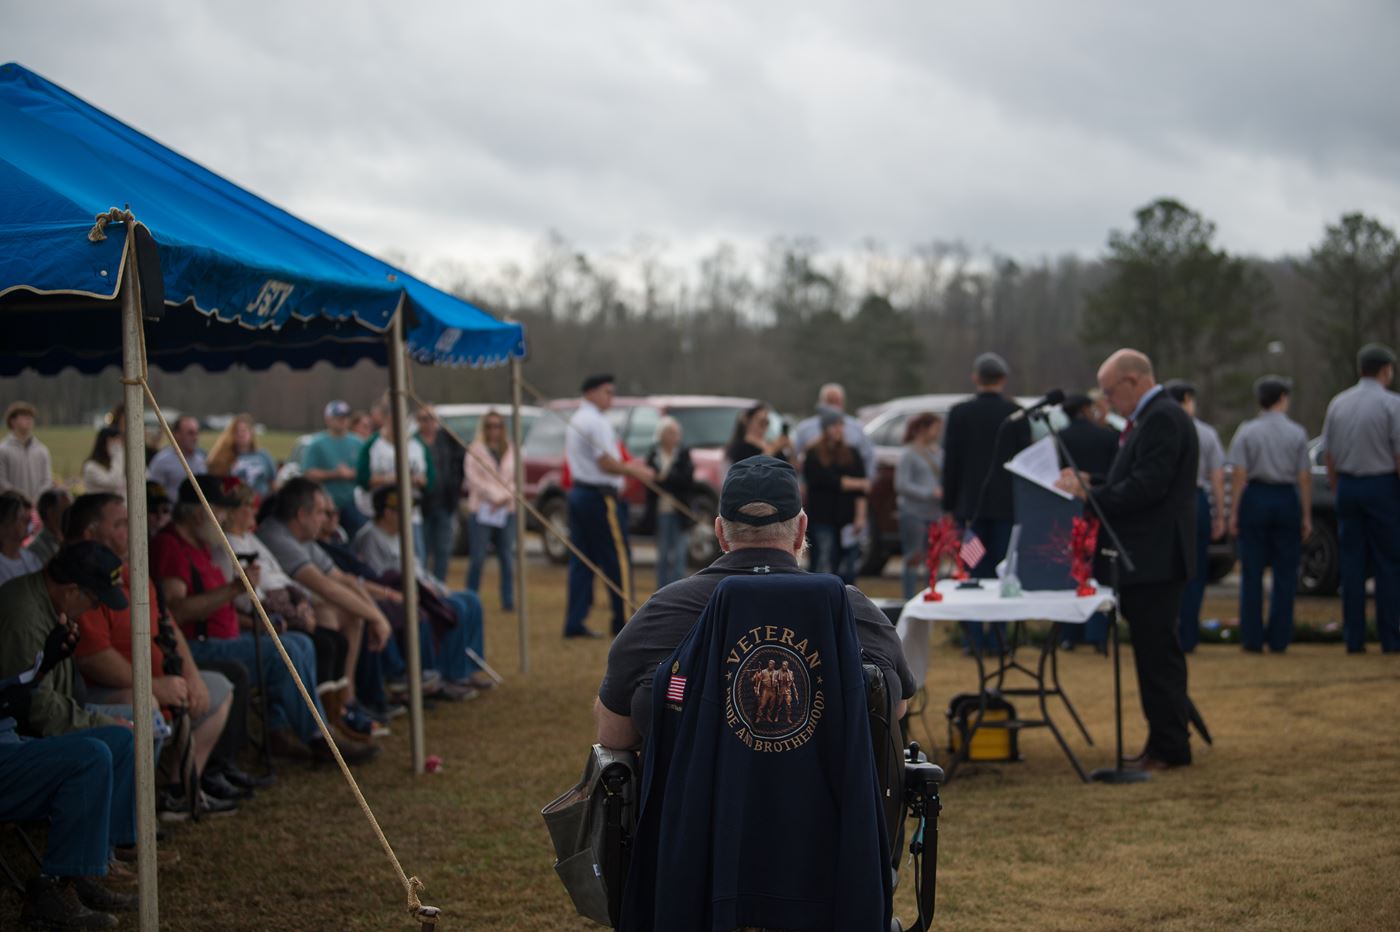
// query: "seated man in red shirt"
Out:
[104,652]
[200,597]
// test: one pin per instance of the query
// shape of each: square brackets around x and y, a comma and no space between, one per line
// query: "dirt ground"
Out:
[1289,822]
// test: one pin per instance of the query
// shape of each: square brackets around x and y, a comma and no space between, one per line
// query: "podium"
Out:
[1043,546]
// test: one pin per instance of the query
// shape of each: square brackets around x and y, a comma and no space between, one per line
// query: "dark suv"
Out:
[1320,572]
[706,424]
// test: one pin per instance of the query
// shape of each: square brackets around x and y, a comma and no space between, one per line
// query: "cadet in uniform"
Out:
[597,513]
[1210,512]
[1361,437]
[1271,508]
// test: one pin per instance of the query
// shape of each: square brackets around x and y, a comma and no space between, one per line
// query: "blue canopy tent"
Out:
[116,250]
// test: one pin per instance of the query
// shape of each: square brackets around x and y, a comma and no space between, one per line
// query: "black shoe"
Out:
[217,786]
[1356,650]
[94,895]
[246,781]
[582,633]
[359,754]
[53,903]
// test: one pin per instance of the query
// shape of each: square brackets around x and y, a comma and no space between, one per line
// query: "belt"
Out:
[1273,485]
[1369,475]
[596,487]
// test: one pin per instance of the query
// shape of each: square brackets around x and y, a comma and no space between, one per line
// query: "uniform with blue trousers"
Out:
[760,804]
[1361,439]
[597,513]
[1272,499]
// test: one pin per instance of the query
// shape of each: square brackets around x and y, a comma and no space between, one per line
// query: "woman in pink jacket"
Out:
[491,503]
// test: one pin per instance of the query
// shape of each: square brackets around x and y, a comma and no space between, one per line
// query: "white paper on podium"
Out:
[1039,463]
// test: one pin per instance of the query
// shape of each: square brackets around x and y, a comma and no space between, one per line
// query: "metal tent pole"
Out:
[398,374]
[133,368]
[518,432]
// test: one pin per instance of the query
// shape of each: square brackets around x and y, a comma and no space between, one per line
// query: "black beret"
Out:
[1376,354]
[1269,389]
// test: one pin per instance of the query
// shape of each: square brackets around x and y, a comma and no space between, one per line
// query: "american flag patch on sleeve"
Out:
[675,690]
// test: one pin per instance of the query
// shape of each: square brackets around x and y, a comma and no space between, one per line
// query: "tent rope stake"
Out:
[427,915]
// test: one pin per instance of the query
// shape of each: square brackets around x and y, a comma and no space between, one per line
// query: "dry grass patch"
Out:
[1289,822]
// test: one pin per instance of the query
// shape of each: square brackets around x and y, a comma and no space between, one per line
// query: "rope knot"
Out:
[99,231]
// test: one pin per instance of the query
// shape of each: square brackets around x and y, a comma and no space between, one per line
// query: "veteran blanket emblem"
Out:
[773,689]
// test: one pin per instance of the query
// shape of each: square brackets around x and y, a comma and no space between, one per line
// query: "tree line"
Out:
[883,322]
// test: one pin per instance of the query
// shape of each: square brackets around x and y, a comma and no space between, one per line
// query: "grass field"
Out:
[70,446]
[1289,822]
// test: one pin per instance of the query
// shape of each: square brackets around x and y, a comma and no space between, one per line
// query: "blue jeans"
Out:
[913,548]
[450,656]
[1189,618]
[285,706]
[598,528]
[672,542]
[1271,525]
[84,783]
[1368,535]
[480,537]
[438,527]
[827,554]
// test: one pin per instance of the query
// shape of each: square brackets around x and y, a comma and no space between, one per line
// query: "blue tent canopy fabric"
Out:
[245,281]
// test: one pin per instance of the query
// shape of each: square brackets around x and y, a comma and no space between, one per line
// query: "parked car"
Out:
[706,424]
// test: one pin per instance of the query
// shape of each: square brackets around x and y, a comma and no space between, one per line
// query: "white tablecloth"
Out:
[986,604]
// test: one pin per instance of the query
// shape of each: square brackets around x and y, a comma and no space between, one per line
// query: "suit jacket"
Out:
[975,445]
[1093,447]
[1150,495]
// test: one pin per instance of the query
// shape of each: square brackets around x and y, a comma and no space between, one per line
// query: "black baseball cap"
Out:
[219,490]
[93,568]
[387,496]
[760,479]
[594,381]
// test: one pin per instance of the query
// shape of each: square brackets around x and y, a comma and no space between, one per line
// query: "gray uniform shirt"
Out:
[1212,453]
[291,553]
[917,478]
[1362,430]
[663,622]
[1270,448]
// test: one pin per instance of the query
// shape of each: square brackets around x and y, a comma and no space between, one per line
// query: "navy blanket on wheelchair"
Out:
[760,804]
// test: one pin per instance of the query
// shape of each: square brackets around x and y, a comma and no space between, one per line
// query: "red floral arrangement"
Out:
[944,539]
[1084,540]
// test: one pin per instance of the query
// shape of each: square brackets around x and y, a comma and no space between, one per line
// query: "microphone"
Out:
[1053,397]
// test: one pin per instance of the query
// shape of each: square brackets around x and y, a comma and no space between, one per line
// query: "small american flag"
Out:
[973,550]
[675,690]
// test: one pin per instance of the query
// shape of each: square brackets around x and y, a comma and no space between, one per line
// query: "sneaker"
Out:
[172,807]
[165,857]
[458,692]
[217,786]
[94,895]
[53,903]
[209,806]
[361,722]
[356,754]
[246,781]
[481,680]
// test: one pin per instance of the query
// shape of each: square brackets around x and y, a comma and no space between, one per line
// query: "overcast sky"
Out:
[448,130]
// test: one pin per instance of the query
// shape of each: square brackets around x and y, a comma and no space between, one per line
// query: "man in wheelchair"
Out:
[760,692]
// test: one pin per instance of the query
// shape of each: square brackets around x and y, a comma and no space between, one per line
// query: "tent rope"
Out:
[651,485]
[412,885]
[99,231]
[521,500]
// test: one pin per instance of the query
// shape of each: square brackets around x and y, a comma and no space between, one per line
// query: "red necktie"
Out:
[1127,429]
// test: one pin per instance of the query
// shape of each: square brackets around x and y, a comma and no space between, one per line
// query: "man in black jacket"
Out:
[977,440]
[1149,496]
[1092,447]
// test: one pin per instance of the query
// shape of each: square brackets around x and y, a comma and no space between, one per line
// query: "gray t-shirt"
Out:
[1362,430]
[1270,448]
[1212,453]
[663,622]
[292,554]
[379,550]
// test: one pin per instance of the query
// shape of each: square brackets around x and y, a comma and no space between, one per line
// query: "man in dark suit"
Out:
[1090,446]
[977,440]
[1150,498]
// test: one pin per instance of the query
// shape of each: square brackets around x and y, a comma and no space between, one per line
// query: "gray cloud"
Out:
[444,130]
